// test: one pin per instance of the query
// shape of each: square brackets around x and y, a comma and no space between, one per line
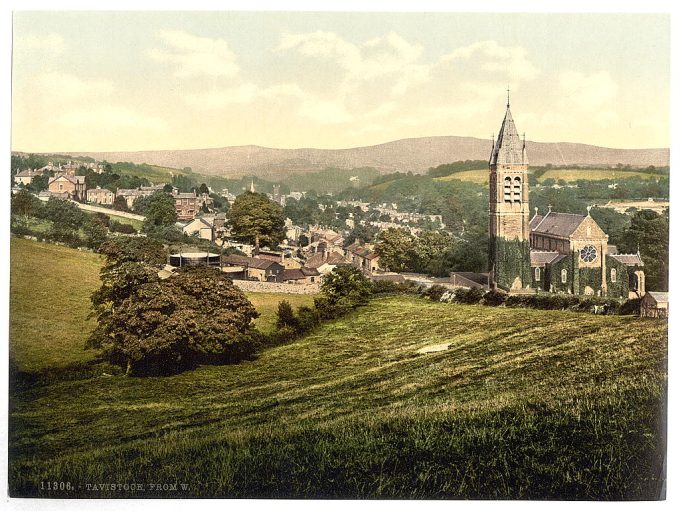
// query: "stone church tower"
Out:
[509,233]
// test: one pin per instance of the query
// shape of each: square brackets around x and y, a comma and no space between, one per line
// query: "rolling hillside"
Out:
[415,154]
[523,404]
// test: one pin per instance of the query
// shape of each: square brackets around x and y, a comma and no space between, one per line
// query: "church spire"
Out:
[508,105]
[508,149]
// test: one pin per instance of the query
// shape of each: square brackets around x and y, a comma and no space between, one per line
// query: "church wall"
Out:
[618,289]
[510,261]
[554,275]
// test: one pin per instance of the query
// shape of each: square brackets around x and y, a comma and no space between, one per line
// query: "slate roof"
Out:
[509,147]
[251,262]
[628,259]
[299,273]
[29,173]
[318,260]
[74,179]
[561,225]
[362,251]
[542,258]
[659,296]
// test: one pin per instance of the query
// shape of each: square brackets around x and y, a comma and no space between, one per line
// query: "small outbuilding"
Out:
[654,305]
[194,259]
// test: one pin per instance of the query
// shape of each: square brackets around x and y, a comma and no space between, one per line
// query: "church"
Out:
[547,251]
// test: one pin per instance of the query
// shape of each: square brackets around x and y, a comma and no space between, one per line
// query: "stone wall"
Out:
[276,287]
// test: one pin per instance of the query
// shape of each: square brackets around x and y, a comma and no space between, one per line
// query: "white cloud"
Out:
[588,92]
[49,42]
[64,87]
[195,56]
[110,117]
[509,61]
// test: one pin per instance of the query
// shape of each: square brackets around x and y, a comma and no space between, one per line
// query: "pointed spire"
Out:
[507,150]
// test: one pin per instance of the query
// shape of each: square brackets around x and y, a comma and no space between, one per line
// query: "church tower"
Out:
[509,260]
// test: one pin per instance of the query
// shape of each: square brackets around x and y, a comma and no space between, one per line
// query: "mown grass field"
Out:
[523,404]
[571,175]
[268,303]
[480,176]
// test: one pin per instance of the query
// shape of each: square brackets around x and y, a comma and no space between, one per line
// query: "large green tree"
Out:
[24,204]
[163,327]
[257,219]
[159,211]
[396,249]
[649,231]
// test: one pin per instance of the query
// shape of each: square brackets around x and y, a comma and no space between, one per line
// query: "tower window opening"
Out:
[507,189]
[517,190]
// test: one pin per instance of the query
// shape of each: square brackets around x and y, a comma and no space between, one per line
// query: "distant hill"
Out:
[414,154]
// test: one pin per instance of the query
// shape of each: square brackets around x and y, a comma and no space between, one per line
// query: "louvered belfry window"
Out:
[507,189]
[517,190]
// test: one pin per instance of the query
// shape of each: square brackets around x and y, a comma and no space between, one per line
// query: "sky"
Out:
[119,81]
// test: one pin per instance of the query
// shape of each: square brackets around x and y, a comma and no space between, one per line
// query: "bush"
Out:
[630,307]
[469,296]
[308,318]
[115,226]
[387,287]
[494,298]
[435,292]
[285,317]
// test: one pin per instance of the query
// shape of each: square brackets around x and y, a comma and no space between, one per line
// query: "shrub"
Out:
[631,306]
[435,292]
[494,298]
[285,317]
[308,318]
[469,296]
[115,226]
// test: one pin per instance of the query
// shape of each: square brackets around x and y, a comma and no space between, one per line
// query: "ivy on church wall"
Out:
[554,274]
[510,260]
[620,288]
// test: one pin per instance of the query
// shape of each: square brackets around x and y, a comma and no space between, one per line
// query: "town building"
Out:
[26,176]
[73,186]
[363,257]
[201,227]
[256,269]
[186,205]
[555,252]
[100,196]
[301,275]
[654,305]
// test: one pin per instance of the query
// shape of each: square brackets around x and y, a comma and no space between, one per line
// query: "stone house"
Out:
[654,305]
[73,186]
[25,177]
[363,257]
[301,276]
[201,227]
[186,205]
[256,269]
[100,196]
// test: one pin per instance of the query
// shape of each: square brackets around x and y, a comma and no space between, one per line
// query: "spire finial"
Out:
[549,208]
[588,208]
[508,96]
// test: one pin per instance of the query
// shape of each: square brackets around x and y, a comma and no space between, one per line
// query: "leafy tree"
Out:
[120,203]
[164,327]
[303,240]
[285,317]
[362,233]
[95,233]
[346,286]
[160,210]
[64,213]
[649,231]
[203,188]
[167,188]
[254,217]
[25,204]
[395,248]
[123,250]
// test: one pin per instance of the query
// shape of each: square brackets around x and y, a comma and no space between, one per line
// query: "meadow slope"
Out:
[523,404]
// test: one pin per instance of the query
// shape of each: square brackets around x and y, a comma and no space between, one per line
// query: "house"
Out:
[26,176]
[301,276]
[100,196]
[256,269]
[201,227]
[129,194]
[554,252]
[654,305]
[326,261]
[73,186]
[186,205]
[363,257]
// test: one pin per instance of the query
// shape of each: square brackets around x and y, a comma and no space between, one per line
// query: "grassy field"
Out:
[50,289]
[268,303]
[480,176]
[522,404]
[571,175]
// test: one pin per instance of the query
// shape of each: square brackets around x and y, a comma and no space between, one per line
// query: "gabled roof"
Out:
[299,273]
[318,260]
[29,173]
[658,296]
[628,259]
[509,148]
[556,224]
[542,258]
[361,251]
[251,262]
[73,179]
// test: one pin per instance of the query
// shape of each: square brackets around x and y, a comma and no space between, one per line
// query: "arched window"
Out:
[537,274]
[517,189]
[613,275]
[507,189]
[564,276]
